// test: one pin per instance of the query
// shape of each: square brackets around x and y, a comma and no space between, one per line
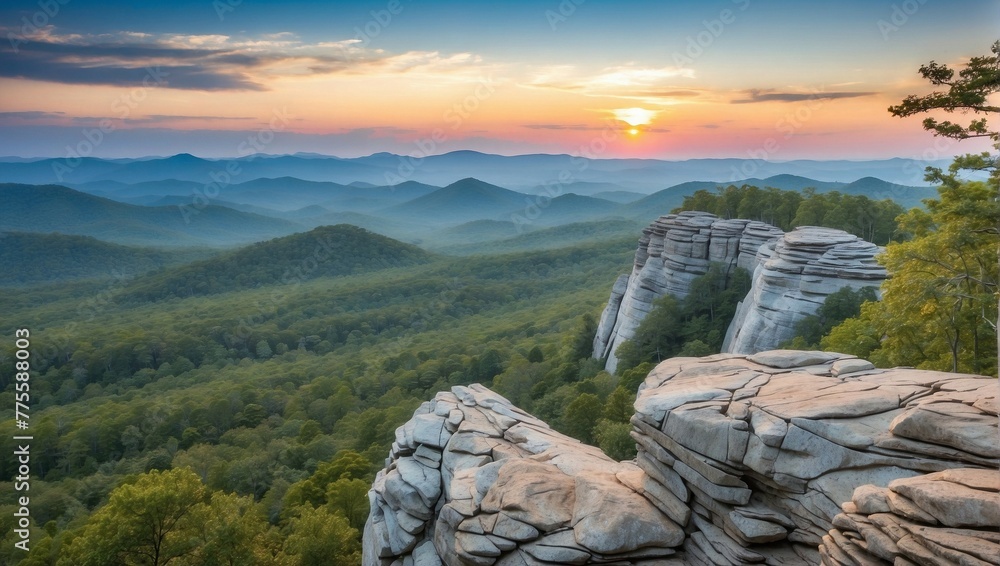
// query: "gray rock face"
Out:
[474,480]
[793,277]
[782,457]
[672,252]
[769,446]
[949,517]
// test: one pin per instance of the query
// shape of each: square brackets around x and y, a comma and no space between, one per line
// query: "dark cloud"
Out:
[130,64]
[576,127]
[156,118]
[125,65]
[758,95]
[31,115]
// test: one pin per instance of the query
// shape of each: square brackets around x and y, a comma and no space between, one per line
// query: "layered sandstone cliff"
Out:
[793,274]
[673,251]
[782,457]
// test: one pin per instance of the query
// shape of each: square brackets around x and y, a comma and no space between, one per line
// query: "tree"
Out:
[836,308]
[968,92]
[349,497]
[580,417]
[318,538]
[236,533]
[347,465]
[153,521]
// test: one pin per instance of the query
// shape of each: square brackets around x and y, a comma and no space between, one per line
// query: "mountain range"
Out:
[523,173]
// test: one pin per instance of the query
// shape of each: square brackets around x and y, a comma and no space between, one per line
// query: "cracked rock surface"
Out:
[781,457]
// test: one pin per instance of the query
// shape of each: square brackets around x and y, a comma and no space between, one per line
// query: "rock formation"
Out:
[782,457]
[673,251]
[949,517]
[764,449]
[794,275]
[474,480]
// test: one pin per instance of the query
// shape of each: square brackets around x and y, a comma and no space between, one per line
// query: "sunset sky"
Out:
[777,79]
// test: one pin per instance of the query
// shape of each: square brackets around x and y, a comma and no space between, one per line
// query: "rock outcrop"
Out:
[764,449]
[782,457]
[673,251]
[474,480]
[794,275]
[949,517]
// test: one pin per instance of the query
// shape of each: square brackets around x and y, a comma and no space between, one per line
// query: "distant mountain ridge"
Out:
[51,208]
[520,172]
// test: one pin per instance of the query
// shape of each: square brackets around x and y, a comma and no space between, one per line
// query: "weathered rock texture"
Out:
[949,517]
[672,252]
[794,275]
[742,460]
[763,449]
[474,480]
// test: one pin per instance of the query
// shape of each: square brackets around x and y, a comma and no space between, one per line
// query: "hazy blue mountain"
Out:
[878,189]
[551,238]
[462,201]
[621,197]
[52,208]
[583,188]
[662,202]
[474,232]
[521,172]
[565,209]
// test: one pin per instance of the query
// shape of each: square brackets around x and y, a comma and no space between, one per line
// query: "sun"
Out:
[633,131]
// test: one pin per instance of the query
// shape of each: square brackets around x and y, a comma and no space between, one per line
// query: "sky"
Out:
[765,79]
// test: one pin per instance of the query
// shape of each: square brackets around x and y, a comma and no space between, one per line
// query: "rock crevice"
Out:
[673,251]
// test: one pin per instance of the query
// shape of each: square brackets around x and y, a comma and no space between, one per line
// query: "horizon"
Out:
[731,79]
[309,154]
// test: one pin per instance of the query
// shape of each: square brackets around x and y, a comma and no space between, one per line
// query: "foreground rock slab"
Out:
[780,458]
[768,446]
[950,517]
[474,480]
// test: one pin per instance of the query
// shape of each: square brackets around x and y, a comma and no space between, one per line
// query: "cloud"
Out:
[651,85]
[31,115]
[564,127]
[204,62]
[769,95]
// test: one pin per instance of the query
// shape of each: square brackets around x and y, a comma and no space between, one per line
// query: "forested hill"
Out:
[44,258]
[53,208]
[325,251]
